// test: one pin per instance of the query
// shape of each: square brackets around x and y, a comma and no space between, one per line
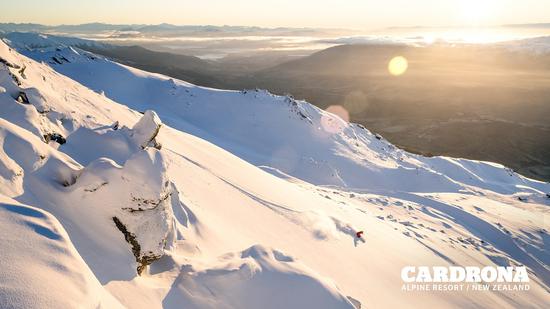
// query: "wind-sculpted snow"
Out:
[40,266]
[161,186]
[257,277]
[133,198]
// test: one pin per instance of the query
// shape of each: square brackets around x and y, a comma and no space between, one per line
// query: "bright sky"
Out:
[358,14]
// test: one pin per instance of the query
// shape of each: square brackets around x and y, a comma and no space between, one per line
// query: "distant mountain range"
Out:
[167,29]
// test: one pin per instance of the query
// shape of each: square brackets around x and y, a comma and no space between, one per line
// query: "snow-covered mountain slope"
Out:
[125,177]
[309,144]
[226,199]
[34,40]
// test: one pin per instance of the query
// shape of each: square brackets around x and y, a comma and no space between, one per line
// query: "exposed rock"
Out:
[22,72]
[146,130]
[56,137]
[297,108]
[142,259]
[15,78]
[140,202]
[143,204]
[9,64]
[355,302]
[56,60]
[22,98]
[94,189]
[32,96]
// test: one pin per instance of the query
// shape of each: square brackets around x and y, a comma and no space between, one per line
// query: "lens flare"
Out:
[398,66]
[335,121]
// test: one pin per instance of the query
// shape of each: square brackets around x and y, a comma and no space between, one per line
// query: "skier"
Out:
[358,237]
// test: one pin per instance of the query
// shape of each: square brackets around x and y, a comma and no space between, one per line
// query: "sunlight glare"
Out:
[398,66]
[475,12]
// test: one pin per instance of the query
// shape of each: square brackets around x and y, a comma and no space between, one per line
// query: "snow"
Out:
[146,129]
[336,153]
[40,266]
[240,280]
[38,40]
[253,200]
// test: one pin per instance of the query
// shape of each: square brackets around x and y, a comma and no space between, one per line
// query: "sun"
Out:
[474,12]
[398,65]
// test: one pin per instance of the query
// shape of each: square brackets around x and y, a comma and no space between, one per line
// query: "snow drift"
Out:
[37,250]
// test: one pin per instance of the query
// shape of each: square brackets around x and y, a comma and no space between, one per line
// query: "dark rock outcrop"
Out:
[22,98]
[142,259]
[56,137]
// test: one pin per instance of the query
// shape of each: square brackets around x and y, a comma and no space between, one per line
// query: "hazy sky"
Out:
[359,14]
